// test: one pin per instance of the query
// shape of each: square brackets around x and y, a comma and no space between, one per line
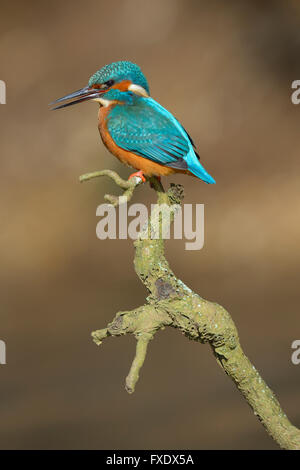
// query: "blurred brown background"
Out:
[225,70]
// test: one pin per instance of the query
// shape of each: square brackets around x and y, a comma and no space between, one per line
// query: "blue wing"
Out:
[149,130]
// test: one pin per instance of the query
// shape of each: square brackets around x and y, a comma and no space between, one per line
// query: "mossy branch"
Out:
[128,185]
[171,303]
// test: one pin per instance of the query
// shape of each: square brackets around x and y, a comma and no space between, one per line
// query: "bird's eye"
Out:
[109,83]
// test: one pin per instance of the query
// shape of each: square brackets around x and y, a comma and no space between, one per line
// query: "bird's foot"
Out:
[138,174]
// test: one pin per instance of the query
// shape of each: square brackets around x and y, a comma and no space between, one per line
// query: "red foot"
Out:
[138,174]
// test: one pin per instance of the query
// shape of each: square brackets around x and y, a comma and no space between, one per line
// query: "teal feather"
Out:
[118,71]
[142,126]
[147,129]
[137,123]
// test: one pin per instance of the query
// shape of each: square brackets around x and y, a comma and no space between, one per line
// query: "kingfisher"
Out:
[134,127]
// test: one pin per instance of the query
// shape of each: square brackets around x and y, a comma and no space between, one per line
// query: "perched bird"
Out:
[136,128]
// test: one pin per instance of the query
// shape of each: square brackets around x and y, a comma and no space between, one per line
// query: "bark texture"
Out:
[171,303]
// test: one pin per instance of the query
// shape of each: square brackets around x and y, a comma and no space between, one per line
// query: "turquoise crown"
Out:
[118,71]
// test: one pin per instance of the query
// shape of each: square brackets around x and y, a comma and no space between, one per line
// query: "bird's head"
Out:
[116,82]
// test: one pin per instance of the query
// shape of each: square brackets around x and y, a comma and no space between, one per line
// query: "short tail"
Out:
[198,170]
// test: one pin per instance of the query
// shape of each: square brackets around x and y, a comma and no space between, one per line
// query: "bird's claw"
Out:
[138,174]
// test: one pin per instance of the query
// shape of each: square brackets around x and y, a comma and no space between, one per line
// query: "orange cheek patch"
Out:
[122,86]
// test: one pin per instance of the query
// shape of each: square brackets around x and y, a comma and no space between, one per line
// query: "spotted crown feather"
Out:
[118,71]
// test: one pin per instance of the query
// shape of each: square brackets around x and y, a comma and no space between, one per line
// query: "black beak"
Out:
[79,96]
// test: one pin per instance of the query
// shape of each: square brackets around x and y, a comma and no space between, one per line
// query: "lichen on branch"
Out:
[171,303]
[127,185]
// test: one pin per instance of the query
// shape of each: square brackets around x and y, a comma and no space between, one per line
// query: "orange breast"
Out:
[149,167]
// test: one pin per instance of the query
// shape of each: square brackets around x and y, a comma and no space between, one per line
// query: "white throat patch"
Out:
[103,101]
